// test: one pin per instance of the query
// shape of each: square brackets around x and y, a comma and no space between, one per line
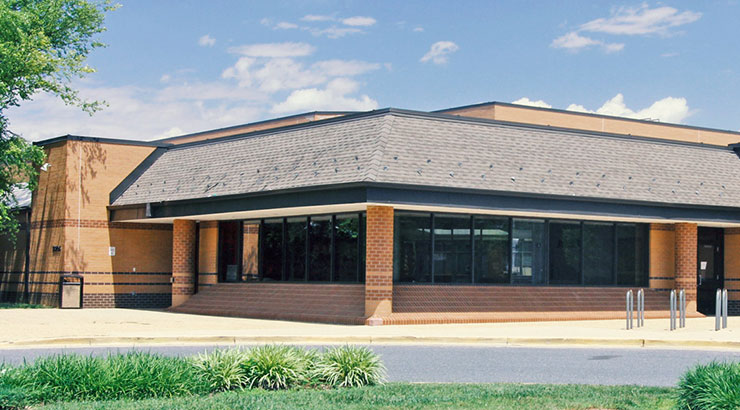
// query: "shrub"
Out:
[132,375]
[350,366]
[222,370]
[275,367]
[711,386]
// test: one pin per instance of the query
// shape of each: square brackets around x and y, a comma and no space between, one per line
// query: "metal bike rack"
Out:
[673,309]
[640,308]
[682,308]
[630,308]
[720,310]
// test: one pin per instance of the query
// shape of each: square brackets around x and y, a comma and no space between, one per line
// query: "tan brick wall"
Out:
[208,253]
[183,260]
[379,263]
[686,248]
[662,256]
[595,123]
[732,263]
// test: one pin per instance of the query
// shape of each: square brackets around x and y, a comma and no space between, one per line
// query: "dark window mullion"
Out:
[260,250]
[284,251]
[511,251]
[472,249]
[332,251]
[583,274]
[546,255]
[616,254]
[306,268]
[360,230]
[431,241]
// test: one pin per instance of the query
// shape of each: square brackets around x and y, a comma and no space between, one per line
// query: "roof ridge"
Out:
[381,142]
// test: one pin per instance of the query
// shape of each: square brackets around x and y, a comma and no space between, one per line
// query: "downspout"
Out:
[27,270]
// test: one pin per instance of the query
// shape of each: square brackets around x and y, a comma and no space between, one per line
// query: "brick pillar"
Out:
[686,244]
[378,264]
[183,260]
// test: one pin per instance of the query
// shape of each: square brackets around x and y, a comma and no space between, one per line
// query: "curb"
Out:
[409,340]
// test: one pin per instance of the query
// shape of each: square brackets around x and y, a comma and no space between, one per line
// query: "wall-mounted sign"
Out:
[111,251]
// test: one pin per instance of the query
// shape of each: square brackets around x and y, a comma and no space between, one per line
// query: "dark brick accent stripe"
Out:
[732,279]
[208,224]
[207,274]
[662,278]
[733,307]
[732,231]
[127,300]
[662,227]
[74,223]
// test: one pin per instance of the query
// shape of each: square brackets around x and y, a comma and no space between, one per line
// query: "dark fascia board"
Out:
[434,196]
[99,140]
[586,114]
[233,127]
[136,173]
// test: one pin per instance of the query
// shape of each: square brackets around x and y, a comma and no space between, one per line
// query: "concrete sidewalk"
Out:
[24,328]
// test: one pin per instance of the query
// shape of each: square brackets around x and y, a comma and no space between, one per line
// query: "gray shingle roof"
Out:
[399,147]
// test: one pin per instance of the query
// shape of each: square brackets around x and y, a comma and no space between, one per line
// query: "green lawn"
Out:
[22,306]
[416,396]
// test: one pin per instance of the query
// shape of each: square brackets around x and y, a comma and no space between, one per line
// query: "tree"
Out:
[43,47]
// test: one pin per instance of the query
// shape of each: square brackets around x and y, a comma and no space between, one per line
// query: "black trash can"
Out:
[70,291]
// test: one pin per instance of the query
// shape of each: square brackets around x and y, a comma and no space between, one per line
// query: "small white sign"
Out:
[703,265]
[111,251]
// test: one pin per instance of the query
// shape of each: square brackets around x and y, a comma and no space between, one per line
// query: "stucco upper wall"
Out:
[599,123]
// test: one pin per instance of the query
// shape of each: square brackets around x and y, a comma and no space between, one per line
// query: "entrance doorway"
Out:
[229,251]
[710,265]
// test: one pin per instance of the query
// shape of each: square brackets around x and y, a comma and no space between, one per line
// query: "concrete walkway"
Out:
[23,328]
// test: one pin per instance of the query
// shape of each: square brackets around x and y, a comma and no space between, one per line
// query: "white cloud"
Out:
[344,68]
[316,17]
[669,109]
[274,49]
[165,78]
[333,97]
[628,21]
[438,53]
[139,113]
[574,42]
[527,101]
[362,21]
[206,41]
[284,25]
[641,20]
[335,32]
[418,29]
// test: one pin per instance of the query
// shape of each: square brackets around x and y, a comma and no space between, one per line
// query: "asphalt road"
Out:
[440,364]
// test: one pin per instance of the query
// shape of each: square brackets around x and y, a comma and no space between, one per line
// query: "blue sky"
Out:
[174,67]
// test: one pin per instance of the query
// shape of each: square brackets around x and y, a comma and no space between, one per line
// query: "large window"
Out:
[443,248]
[491,238]
[452,256]
[322,248]
[413,248]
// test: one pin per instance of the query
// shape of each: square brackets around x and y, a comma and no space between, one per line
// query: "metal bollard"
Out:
[682,308]
[640,308]
[724,309]
[630,307]
[673,310]
[717,309]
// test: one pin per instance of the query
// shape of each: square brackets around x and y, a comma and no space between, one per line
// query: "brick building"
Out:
[490,212]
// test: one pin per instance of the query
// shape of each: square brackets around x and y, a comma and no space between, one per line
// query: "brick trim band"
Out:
[89,223]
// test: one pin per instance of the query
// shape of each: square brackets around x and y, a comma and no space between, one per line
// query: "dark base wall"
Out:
[733,307]
[36,298]
[127,300]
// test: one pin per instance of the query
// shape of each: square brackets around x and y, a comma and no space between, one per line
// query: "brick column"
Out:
[378,264]
[686,244]
[183,260]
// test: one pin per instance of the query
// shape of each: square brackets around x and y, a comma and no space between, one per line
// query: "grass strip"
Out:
[415,396]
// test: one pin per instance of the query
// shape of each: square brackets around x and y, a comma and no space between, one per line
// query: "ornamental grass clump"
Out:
[132,375]
[276,367]
[709,387]
[222,370]
[350,366]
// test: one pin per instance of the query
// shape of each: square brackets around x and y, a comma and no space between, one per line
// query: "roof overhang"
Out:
[352,197]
